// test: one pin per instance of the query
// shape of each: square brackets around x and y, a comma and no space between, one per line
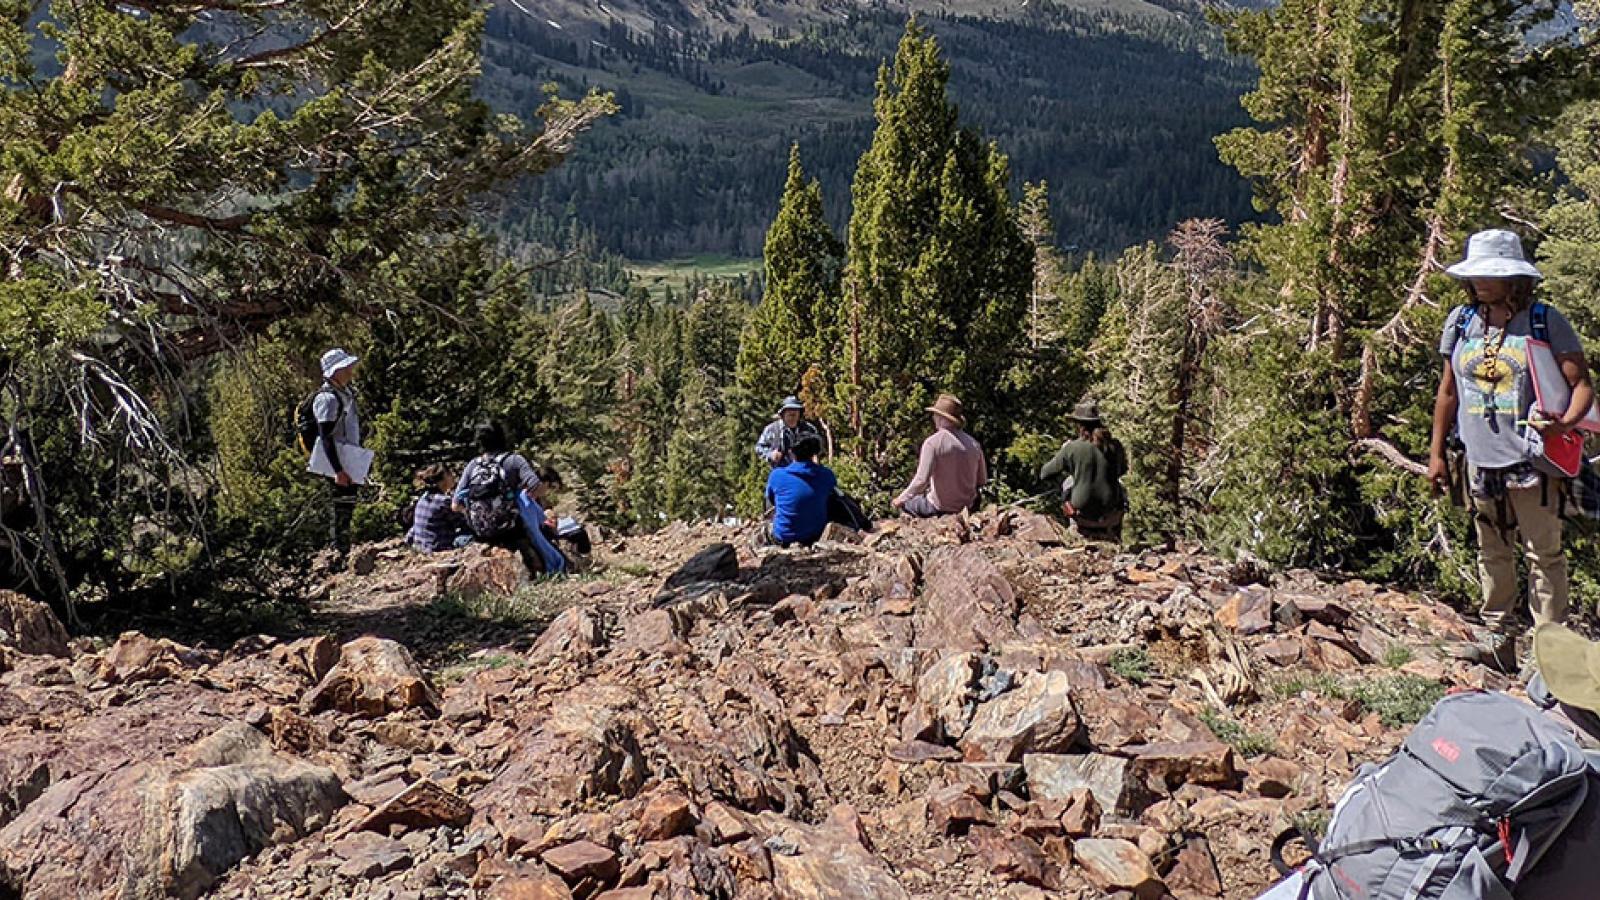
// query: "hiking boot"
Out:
[1498,653]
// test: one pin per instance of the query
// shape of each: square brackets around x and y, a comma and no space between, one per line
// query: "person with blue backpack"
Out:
[1486,397]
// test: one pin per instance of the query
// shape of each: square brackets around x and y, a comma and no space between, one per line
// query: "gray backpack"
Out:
[1480,789]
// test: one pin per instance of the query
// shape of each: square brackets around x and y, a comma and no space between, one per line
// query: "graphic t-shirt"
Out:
[1493,383]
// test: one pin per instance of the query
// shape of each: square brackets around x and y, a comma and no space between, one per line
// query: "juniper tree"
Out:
[791,329]
[936,288]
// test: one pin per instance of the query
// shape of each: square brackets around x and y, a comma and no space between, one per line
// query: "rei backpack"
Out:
[491,510]
[1481,788]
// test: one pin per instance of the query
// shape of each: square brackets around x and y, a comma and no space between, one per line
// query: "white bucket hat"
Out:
[337,359]
[1493,254]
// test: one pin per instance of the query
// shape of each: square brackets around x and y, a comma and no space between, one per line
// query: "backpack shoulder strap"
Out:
[337,399]
[1469,311]
[1539,316]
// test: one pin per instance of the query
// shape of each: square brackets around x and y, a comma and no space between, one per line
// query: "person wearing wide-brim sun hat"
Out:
[338,426]
[950,469]
[1485,396]
[1091,466]
[775,447]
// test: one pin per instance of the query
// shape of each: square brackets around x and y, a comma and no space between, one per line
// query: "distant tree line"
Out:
[1116,113]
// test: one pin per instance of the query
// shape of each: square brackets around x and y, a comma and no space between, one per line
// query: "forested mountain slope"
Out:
[1114,106]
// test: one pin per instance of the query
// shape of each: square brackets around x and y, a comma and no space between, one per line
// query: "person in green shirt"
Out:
[1093,463]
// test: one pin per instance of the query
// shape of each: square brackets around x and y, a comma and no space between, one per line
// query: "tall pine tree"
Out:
[787,333]
[1388,130]
[937,284]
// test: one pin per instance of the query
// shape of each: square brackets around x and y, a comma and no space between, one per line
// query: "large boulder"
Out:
[1037,716]
[949,690]
[484,570]
[577,630]
[1117,789]
[28,626]
[1118,865]
[824,863]
[373,677]
[136,657]
[166,828]
[585,748]
[966,603]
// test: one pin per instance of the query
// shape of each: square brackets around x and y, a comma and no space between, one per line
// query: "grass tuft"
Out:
[1399,700]
[471,667]
[535,604]
[1397,655]
[1131,664]
[1232,732]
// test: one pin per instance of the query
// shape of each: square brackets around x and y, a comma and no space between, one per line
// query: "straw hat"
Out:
[947,406]
[1493,254]
[1570,665]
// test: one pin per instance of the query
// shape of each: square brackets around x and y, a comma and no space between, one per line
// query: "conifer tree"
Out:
[178,178]
[1569,256]
[1044,300]
[790,329]
[1389,129]
[936,287]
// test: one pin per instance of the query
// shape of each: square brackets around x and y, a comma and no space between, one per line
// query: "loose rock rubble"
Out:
[976,707]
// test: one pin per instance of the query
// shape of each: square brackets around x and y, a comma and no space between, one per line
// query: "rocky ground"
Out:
[965,708]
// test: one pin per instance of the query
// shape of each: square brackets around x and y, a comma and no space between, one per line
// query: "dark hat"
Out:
[790,402]
[1087,411]
[950,408]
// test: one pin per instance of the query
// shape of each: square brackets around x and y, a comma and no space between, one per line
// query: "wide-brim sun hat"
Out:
[949,407]
[1570,664]
[1494,254]
[789,403]
[337,359]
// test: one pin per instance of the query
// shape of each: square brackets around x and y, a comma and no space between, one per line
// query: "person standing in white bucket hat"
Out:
[338,425]
[1485,395]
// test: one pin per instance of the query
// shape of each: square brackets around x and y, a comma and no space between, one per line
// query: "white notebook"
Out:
[357,462]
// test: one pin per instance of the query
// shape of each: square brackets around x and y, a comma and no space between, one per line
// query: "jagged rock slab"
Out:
[167,828]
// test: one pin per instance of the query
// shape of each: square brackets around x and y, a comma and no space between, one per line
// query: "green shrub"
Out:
[1131,664]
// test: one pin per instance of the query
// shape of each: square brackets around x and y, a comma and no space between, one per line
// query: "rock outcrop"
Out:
[973,707]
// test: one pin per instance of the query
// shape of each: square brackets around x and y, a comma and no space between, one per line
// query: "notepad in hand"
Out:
[357,462]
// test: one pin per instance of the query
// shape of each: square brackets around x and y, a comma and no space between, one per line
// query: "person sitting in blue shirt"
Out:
[798,494]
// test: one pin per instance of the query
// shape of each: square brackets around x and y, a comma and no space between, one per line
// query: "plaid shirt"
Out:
[436,525]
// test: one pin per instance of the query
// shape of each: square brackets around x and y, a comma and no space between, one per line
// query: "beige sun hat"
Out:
[1570,664]
[949,407]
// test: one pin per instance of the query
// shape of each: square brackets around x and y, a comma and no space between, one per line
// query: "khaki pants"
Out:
[1533,527]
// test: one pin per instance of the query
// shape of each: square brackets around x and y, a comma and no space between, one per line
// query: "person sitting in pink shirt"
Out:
[950,469]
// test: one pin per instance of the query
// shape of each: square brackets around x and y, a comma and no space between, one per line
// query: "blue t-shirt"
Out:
[799,492]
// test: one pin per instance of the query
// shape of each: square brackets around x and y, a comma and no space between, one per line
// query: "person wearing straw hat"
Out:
[950,468]
[1485,395]
[338,425]
[776,445]
[1093,463]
